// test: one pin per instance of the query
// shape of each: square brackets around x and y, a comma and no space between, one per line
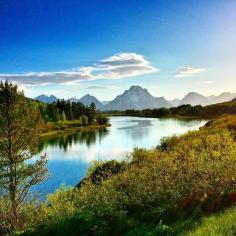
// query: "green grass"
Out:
[222,224]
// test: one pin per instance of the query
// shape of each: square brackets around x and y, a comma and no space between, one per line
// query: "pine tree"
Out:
[63,116]
[92,112]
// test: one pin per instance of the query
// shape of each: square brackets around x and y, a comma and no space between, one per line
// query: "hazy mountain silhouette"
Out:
[139,98]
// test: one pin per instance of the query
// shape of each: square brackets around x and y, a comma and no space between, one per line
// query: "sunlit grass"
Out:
[222,224]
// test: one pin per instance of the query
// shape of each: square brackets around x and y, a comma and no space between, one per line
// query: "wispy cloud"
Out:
[188,71]
[208,82]
[101,87]
[115,67]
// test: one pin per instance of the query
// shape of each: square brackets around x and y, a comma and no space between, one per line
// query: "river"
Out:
[70,155]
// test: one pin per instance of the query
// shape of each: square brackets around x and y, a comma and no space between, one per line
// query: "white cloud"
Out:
[115,67]
[188,71]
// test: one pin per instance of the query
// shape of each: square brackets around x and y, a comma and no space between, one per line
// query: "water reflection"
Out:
[67,140]
[138,129]
[138,124]
[69,155]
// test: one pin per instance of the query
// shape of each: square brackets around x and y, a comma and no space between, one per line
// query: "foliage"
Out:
[63,116]
[91,112]
[66,110]
[217,225]
[84,120]
[19,123]
[99,172]
[102,119]
[209,111]
[156,192]
[59,205]
[78,224]
[93,166]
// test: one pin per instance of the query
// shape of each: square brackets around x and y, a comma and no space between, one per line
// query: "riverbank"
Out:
[160,117]
[150,194]
[114,142]
[69,127]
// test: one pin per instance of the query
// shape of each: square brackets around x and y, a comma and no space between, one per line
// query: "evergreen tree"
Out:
[63,116]
[84,120]
[91,112]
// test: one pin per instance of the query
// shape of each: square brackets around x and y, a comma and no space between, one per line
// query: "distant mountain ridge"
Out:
[139,98]
[86,100]
[194,98]
[46,99]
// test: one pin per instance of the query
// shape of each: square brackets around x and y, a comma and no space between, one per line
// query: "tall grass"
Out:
[222,224]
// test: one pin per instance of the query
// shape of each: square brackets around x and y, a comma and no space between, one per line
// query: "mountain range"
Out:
[139,98]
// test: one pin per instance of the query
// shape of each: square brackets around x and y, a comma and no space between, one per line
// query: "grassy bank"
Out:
[220,224]
[69,127]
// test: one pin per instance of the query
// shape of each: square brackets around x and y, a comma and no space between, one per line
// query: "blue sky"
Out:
[71,47]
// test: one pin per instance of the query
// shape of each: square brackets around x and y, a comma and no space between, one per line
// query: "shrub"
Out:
[103,171]
[102,119]
[84,120]
[184,175]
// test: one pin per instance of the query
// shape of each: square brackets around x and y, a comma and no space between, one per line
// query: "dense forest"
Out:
[209,111]
[63,110]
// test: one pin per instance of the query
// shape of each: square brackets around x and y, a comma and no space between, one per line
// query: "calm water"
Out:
[69,156]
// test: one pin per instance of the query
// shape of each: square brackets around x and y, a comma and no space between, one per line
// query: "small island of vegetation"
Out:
[69,117]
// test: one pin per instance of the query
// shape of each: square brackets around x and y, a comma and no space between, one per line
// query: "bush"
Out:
[84,120]
[78,224]
[156,183]
[187,175]
[103,171]
[102,119]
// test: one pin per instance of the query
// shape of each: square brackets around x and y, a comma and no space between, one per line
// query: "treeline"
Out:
[63,110]
[185,110]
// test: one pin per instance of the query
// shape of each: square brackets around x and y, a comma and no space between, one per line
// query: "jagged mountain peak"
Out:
[194,98]
[137,89]
[46,99]
[138,98]
[193,94]
[87,99]
[88,96]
